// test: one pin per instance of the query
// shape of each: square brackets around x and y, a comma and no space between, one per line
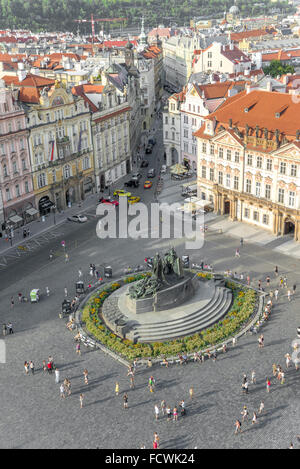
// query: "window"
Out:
[220,152]
[220,178]
[211,174]
[282,167]
[22,144]
[268,191]
[259,162]
[24,165]
[185,119]
[53,176]
[294,170]
[203,172]
[237,156]
[209,64]
[256,216]
[86,163]
[249,160]
[42,180]
[194,121]
[15,167]
[8,195]
[67,172]
[17,188]
[228,181]
[247,213]
[248,186]
[26,187]
[265,219]
[5,173]
[281,196]
[292,198]
[212,149]
[186,147]
[269,165]
[204,147]
[209,55]
[258,189]
[173,120]
[236,183]
[194,150]
[229,155]
[166,120]
[173,136]
[186,133]
[166,134]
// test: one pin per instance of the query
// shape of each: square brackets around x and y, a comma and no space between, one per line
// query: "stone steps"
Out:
[188,317]
[204,318]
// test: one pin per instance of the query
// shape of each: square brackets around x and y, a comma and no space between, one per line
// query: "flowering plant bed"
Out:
[242,310]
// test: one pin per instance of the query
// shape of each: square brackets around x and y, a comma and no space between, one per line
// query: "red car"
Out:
[109,202]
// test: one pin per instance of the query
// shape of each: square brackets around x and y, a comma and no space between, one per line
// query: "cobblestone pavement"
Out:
[34,416]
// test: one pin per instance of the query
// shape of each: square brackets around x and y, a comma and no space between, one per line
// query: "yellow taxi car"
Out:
[147,185]
[122,193]
[133,200]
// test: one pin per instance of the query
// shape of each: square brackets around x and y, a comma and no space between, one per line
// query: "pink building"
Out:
[17,205]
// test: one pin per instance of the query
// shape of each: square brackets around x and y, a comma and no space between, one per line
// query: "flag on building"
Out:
[51,156]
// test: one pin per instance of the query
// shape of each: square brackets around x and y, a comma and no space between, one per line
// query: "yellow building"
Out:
[60,147]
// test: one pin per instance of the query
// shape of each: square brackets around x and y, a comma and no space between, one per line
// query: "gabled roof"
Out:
[30,81]
[264,109]
[235,55]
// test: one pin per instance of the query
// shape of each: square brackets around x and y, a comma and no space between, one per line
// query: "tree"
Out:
[276,68]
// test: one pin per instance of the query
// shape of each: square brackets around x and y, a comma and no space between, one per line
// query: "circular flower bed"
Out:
[242,309]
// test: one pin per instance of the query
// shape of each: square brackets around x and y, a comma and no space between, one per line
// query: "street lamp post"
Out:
[54,214]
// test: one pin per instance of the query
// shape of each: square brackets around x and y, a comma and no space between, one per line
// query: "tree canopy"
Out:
[276,68]
[59,15]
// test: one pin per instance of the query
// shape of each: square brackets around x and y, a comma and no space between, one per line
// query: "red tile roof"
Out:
[265,109]
[30,81]
[235,55]
[236,37]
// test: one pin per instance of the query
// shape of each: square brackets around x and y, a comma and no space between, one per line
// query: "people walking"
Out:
[31,366]
[191,392]
[47,291]
[238,427]
[86,376]
[26,366]
[62,391]
[66,292]
[268,384]
[117,389]
[78,350]
[125,401]
[81,397]
[276,293]
[156,411]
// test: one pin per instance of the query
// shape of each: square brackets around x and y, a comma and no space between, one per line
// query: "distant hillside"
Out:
[59,15]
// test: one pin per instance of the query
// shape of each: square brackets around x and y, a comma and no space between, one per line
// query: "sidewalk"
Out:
[39,227]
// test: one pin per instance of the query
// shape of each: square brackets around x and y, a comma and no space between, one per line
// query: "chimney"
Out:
[248,88]
[269,86]
[22,74]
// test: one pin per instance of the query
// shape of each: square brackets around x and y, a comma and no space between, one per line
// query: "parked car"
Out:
[108,201]
[133,200]
[163,169]
[147,185]
[78,218]
[132,183]
[136,176]
[149,148]
[122,193]
[144,164]
[151,173]
[152,141]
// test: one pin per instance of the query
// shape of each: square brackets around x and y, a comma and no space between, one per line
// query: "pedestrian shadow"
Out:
[179,442]
[261,424]
[69,365]
[201,409]
[141,403]
[100,401]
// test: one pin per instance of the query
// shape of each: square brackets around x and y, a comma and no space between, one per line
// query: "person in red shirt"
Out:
[155,444]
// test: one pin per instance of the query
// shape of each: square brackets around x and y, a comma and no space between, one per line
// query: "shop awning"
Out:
[31,211]
[15,219]
[46,204]
[178,169]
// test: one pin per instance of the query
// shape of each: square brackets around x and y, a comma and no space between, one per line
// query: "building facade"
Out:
[61,153]
[17,202]
[248,161]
